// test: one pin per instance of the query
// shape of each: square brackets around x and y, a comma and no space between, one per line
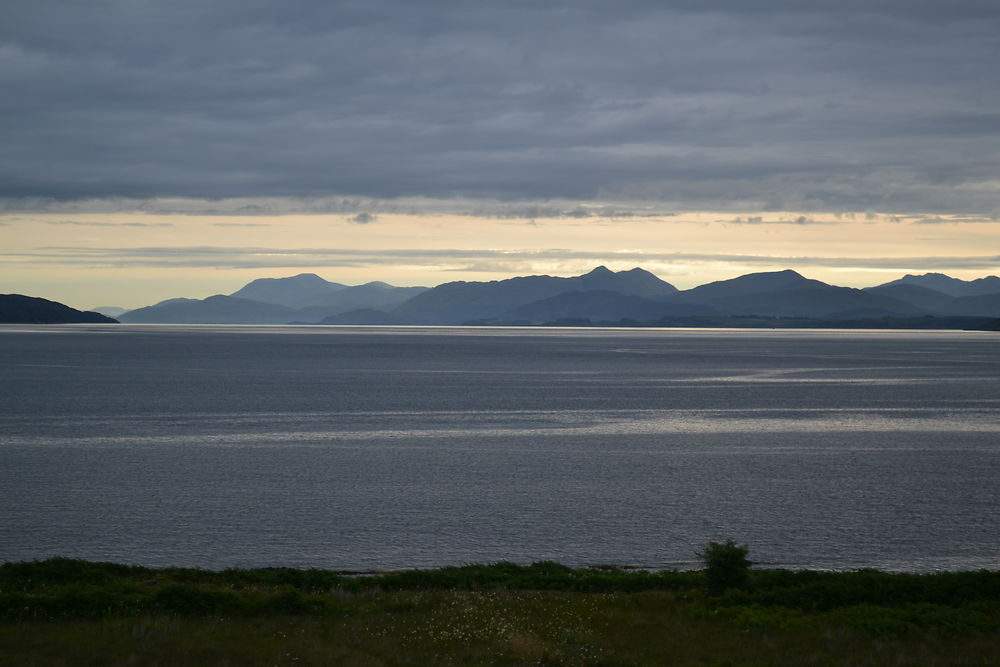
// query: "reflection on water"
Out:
[354,447]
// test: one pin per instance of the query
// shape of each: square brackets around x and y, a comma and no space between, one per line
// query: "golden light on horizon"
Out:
[135,259]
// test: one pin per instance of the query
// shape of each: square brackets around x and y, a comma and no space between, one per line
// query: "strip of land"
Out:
[70,612]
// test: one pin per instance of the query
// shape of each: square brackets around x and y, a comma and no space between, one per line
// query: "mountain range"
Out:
[601,296]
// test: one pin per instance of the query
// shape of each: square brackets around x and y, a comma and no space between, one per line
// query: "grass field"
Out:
[66,612]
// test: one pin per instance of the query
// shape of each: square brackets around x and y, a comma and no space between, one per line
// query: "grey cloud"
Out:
[364,218]
[277,206]
[760,220]
[86,223]
[777,105]
[957,220]
[464,259]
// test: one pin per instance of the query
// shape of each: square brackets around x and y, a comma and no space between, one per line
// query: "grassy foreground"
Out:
[68,612]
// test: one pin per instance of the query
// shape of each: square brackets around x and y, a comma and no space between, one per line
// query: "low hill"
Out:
[218,309]
[361,316]
[600,306]
[950,286]
[817,301]
[967,298]
[927,299]
[370,296]
[110,311]
[788,294]
[980,304]
[21,309]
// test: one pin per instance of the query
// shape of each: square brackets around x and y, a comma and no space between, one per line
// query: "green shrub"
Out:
[192,600]
[726,566]
[30,575]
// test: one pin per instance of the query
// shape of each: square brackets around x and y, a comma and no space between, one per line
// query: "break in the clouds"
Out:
[741,105]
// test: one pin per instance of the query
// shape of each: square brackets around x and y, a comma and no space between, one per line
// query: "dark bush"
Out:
[726,566]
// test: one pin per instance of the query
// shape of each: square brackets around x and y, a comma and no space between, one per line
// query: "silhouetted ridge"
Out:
[21,309]
[599,306]
[459,302]
[217,309]
[599,295]
[789,294]
[923,298]
[752,283]
[304,299]
[950,286]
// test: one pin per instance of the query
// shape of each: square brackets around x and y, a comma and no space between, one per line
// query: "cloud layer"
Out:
[743,105]
[464,259]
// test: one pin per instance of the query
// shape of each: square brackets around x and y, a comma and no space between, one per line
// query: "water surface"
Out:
[386,447]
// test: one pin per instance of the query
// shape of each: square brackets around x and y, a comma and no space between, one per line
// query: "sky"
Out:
[155,149]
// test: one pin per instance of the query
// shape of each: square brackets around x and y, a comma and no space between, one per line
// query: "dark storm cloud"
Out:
[778,105]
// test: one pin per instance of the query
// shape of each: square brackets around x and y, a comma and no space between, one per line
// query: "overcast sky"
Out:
[758,112]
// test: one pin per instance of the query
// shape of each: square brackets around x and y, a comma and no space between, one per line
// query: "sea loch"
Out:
[382,447]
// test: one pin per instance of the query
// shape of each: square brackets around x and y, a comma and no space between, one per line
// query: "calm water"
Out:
[365,448]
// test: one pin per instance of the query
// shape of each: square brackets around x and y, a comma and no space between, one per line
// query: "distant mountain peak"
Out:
[293,291]
[635,281]
[951,286]
[929,274]
[785,275]
[301,278]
